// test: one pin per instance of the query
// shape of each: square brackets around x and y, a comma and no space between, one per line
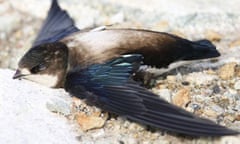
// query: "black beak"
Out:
[18,74]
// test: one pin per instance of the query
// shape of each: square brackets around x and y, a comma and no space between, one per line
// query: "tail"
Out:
[202,49]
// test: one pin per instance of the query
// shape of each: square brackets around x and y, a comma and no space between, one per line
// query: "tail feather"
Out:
[202,49]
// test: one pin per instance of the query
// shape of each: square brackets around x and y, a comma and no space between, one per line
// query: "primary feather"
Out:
[110,87]
[57,25]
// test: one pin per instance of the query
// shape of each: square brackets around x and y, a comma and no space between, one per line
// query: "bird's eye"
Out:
[38,68]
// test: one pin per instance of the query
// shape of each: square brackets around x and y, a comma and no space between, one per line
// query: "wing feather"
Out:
[57,25]
[116,92]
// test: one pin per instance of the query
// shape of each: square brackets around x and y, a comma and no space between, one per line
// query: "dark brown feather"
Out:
[159,49]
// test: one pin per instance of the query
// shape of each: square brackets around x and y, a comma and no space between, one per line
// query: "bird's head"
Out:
[45,64]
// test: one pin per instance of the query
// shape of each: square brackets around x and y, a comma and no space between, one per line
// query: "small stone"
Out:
[178,33]
[227,71]
[237,70]
[216,89]
[237,85]
[182,97]
[200,78]
[228,140]
[117,18]
[171,78]
[164,93]
[185,83]
[237,118]
[213,36]
[224,102]
[230,117]
[60,106]
[217,109]
[235,43]
[98,133]
[88,122]
[161,26]
[136,127]
[210,113]
[211,72]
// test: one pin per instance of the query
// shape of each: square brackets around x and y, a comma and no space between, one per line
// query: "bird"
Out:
[99,65]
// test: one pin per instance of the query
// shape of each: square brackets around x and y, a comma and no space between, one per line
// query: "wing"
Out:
[110,87]
[57,25]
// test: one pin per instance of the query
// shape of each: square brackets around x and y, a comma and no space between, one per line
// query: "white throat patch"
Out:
[44,79]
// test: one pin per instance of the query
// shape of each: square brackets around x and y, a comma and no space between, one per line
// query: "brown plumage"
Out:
[158,49]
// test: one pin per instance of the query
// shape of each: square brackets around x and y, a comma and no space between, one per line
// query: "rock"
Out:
[117,18]
[171,78]
[24,116]
[182,97]
[237,118]
[230,117]
[216,89]
[210,113]
[161,26]
[227,71]
[9,21]
[213,36]
[61,106]
[201,98]
[237,85]
[228,139]
[98,133]
[164,93]
[200,78]
[235,43]
[178,33]
[88,122]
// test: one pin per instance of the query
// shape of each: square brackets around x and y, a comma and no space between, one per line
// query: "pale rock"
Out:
[88,122]
[182,97]
[235,43]
[237,85]
[227,71]
[24,116]
[213,35]
[164,93]
[200,78]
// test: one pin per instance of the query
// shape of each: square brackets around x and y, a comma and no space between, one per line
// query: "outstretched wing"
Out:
[57,25]
[110,86]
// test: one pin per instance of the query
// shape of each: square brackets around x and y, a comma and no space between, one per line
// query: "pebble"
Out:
[98,133]
[200,78]
[230,117]
[227,71]
[237,118]
[60,105]
[210,113]
[182,97]
[161,26]
[88,122]
[171,78]
[235,43]
[213,36]
[237,85]
[164,93]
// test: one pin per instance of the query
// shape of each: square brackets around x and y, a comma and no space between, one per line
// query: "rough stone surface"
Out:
[25,117]
[182,97]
